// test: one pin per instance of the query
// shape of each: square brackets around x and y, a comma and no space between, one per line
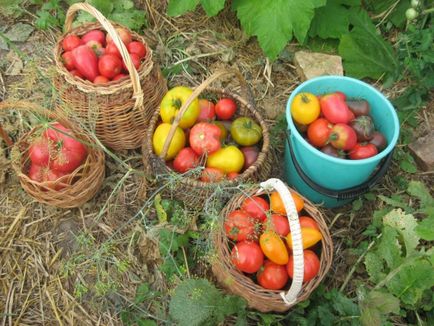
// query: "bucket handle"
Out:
[348,193]
[291,296]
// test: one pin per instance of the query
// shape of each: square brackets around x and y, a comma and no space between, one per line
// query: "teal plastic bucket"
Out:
[331,181]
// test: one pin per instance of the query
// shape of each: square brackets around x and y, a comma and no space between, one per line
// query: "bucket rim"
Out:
[295,133]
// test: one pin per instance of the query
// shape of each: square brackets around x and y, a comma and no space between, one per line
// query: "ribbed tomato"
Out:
[239,226]
[256,207]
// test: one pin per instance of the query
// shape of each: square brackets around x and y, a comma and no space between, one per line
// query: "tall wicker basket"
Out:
[238,283]
[79,186]
[194,193]
[119,111]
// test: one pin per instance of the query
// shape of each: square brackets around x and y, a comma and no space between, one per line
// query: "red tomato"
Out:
[335,109]
[318,132]
[86,62]
[247,256]
[101,80]
[362,151]
[94,35]
[124,34]
[76,73]
[68,60]
[109,65]
[272,276]
[135,59]
[119,76]
[311,265]
[225,108]
[186,160]
[205,138]
[39,151]
[211,175]
[137,48]
[239,226]
[232,175]
[280,224]
[251,154]
[341,95]
[96,47]
[207,111]
[70,42]
[111,48]
[42,174]
[70,153]
[308,222]
[343,137]
[256,207]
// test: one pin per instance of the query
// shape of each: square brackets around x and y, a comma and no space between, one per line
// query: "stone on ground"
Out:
[423,151]
[313,64]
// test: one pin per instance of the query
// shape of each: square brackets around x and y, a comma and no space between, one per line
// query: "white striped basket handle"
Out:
[290,297]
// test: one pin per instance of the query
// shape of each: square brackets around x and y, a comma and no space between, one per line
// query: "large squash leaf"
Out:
[275,22]
[365,53]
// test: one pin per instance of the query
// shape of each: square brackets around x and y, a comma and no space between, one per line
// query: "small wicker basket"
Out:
[258,297]
[194,193]
[119,111]
[79,186]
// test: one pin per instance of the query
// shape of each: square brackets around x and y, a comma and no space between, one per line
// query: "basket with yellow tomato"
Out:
[272,247]
[206,138]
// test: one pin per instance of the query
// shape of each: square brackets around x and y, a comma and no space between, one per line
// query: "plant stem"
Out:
[353,269]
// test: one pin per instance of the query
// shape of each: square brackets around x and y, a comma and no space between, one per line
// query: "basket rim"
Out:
[106,88]
[272,298]
[147,148]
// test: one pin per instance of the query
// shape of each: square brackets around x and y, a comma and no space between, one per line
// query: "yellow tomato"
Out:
[159,138]
[305,108]
[228,159]
[273,247]
[310,237]
[172,102]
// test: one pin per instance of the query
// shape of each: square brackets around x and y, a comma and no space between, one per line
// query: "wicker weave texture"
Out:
[79,186]
[236,282]
[195,193]
[118,111]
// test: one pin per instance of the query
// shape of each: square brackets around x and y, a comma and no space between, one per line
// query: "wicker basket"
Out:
[118,111]
[194,193]
[79,186]
[258,297]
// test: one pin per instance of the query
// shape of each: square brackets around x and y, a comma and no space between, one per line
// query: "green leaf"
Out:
[179,7]
[374,267]
[133,19]
[142,293]
[325,27]
[212,7]
[123,5]
[425,229]
[275,22]
[375,305]
[411,281]
[405,224]
[161,213]
[106,7]
[394,203]
[363,50]
[389,248]
[420,191]
[146,322]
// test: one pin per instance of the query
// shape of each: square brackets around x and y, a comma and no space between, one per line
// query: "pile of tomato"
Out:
[262,243]
[96,58]
[208,135]
[337,126]
[54,154]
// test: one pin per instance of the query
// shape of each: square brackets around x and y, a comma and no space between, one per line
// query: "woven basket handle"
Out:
[70,14]
[33,108]
[195,94]
[297,251]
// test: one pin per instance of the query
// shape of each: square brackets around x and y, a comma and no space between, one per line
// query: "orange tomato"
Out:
[273,247]
[310,237]
[277,206]
[308,222]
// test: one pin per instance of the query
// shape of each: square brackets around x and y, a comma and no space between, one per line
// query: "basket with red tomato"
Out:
[107,77]
[272,247]
[337,126]
[208,137]
[55,161]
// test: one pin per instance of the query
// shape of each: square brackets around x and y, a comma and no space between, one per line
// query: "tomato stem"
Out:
[305,98]
[177,103]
